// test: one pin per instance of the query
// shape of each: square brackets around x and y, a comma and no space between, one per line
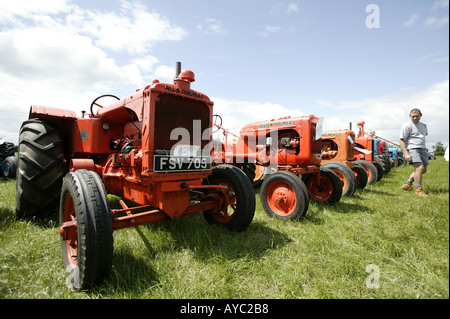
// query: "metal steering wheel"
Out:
[216,119]
[98,98]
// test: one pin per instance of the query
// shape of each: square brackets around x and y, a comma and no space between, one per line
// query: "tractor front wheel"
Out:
[283,195]
[86,229]
[361,175]
[371,170]
[236,205]
[346,176]
[328,191]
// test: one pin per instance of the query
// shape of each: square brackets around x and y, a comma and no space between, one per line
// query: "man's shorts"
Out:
[419,155]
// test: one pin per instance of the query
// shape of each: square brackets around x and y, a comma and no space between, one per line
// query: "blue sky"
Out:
[256,60]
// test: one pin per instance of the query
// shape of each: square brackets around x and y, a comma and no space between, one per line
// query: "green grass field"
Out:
[381,243]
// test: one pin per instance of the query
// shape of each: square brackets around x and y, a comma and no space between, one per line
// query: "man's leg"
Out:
[419,170]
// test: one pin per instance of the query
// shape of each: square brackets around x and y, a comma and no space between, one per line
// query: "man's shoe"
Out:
[420,192]
[406,187]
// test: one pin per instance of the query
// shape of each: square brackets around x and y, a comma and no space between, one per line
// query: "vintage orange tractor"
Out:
[337,154]
[152,149]
[365,154]
[287,148]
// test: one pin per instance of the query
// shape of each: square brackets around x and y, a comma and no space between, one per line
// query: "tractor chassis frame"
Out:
[68,230]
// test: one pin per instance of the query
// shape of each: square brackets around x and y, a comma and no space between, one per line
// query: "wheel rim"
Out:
[227,202]
[71,243]
[281,198]
[320,192]
[357,176]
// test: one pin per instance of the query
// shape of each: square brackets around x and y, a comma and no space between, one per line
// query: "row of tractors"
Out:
[154,149]
[293,161]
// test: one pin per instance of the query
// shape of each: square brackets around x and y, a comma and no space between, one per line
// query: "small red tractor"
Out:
[287,148]
[337,154]
[365,154]
[152,149]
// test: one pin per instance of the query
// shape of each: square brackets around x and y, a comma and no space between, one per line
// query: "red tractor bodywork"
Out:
[337,146]
[293,149]
[366,142]
[287,147]
[145,120]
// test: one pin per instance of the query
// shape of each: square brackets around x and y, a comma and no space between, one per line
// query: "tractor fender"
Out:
[39,111]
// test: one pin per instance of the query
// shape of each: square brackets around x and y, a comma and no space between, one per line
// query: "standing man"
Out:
[412,142]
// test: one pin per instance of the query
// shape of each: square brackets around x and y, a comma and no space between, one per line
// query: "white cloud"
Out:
[133,30]
[435,18]
[165,72]
[269,30]
[386,114]
[11,10]
[413,18]
[213,26]
[57,54]
[436,22]
[292,7]
[236,114]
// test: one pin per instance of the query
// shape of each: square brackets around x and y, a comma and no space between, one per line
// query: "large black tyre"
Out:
[249,170]
[87,258]
[40,169]
[371,170]
[380,170]
[401,161]
[283,195]
[330,189]
[6,150]
[346,176]
[361,176]
[10,167]
[238,214]
[385,166]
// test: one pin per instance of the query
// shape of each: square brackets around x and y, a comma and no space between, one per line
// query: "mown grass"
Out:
[323,256]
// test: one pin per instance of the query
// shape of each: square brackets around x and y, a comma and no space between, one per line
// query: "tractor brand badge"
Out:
[84,135]
[275,124]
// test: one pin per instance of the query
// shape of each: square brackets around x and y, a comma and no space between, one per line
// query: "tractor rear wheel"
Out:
[380,170]
[86,229]
[6,150]
[236,206]
[40,168]
[283,195]
[346,176]
[10,167]
[361,175]
[329,191]
[371,170]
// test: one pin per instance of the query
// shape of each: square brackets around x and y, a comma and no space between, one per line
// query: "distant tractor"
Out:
[152,149]
[287,148]
[365,149]
[8,160]
[337,154]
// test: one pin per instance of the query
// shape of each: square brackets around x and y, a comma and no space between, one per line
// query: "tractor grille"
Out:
[172,112]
